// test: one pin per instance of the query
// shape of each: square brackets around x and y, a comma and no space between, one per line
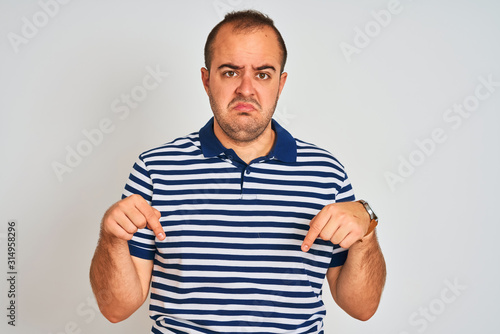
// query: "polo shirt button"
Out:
[247,171]
[230,157]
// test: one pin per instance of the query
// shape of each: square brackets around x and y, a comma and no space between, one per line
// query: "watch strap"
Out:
[373,224]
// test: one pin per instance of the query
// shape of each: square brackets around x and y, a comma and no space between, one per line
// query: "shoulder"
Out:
[185,146]
[311,153]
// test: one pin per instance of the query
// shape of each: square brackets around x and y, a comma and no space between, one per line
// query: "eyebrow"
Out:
[234,67]
[266,67]
[231,66]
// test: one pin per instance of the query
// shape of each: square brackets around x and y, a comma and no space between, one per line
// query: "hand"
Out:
[125,217]
[342,223]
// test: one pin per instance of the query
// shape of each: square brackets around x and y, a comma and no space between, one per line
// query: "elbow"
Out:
[364,316]
[114,317]
[366,313]
[114,320]
[117,310]
[362,310]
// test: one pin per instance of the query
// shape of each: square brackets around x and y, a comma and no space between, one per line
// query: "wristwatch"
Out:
[373,216]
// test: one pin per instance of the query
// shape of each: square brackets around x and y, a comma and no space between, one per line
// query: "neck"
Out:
[248,150]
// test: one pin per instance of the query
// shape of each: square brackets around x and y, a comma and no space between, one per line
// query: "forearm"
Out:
[359,285]
[114,279]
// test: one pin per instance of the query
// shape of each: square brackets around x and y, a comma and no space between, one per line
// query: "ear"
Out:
[205,78]
[283,77]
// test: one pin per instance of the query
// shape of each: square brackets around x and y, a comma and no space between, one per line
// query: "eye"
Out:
[263,76]
[229,74]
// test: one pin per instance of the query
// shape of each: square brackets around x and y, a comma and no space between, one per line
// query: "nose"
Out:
[245,87]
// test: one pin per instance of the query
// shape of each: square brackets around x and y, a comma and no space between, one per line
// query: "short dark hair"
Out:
[244,20]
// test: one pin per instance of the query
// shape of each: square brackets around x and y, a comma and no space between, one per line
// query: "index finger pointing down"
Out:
[152,217]
[315,227]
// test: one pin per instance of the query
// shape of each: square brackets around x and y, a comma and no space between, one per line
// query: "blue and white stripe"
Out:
[231,261]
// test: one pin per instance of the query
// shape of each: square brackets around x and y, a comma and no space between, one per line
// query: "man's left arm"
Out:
[357,285]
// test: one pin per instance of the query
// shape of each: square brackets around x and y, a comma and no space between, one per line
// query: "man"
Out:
[236,226]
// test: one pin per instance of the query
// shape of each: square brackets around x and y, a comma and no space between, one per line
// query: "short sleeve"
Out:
[345,193]
[339,256]
[142,243]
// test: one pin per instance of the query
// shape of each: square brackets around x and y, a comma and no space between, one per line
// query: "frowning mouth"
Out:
[242,104]
[244,107]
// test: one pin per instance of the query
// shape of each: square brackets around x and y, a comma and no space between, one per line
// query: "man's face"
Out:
[244,82]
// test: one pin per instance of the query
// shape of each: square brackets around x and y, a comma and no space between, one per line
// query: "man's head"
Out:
[243,77]
[244,22]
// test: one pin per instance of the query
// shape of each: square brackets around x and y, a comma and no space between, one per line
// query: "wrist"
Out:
[108,239]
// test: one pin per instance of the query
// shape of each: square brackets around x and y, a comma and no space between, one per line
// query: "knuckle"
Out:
[109,222]
[120,206]
[140,222]
[133,230]
[126,236]
[324,235]
[122,233]
[329,209]
[315,227]
[118,233]
[134,197]
[344,244]
[132,200]
[343,216]
[332,208]
[335,238]
[112,210]
[150,216]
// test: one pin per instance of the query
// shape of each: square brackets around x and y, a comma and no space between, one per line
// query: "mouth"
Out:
[245,107]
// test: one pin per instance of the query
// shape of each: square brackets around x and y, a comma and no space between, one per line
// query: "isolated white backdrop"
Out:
[370,105]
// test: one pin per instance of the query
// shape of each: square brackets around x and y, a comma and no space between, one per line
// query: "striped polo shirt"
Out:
[231,261]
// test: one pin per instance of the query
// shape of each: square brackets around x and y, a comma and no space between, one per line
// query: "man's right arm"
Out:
[120,281]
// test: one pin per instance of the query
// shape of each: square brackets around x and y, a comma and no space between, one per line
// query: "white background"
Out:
[439,222]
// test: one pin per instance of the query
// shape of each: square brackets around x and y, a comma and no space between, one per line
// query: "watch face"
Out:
[370,211]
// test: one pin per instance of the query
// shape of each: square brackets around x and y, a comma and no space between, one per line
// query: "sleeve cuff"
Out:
[140,252]
[338,259]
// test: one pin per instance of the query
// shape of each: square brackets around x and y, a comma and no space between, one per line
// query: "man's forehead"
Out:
[259,43]
[234,29]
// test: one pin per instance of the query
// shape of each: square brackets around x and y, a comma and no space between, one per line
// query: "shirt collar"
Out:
[284,149]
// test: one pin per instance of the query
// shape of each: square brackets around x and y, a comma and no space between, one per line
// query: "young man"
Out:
[236,226]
